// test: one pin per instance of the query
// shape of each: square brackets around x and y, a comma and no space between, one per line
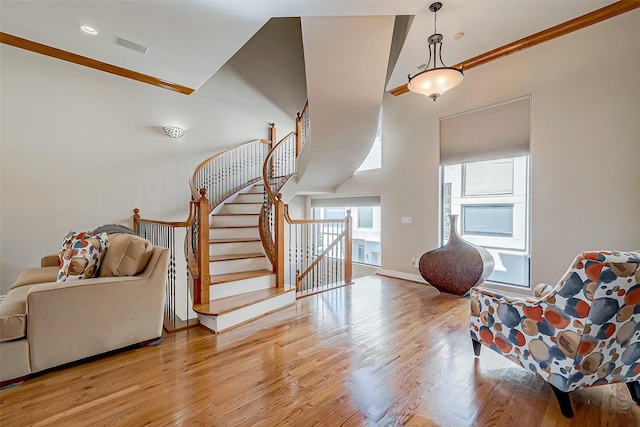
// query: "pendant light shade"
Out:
[438,79]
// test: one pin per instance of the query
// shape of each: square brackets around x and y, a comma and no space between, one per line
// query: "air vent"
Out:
[131,45]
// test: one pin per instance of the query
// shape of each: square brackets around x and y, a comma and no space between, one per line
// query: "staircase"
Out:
[236,267]
[242,283]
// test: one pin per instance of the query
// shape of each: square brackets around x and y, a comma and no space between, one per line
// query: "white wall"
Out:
[585,148]
[81,148]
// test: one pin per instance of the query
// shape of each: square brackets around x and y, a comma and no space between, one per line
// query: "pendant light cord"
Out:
[435,17]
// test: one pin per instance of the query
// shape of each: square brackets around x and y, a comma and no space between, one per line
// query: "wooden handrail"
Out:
[543,36]
[197,258]
[299,117]
[310,221]
[266,165]
[64,55]
[177,224]
[304,109]
[194,190]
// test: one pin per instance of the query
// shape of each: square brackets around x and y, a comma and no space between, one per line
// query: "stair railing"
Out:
[230,171]
[316,266]
[320,253]
[221,176]
[163,234]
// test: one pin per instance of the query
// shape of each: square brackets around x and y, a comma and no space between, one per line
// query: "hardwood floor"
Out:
[397,351]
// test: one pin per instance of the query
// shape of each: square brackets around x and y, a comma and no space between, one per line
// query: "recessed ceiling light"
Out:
[89,30]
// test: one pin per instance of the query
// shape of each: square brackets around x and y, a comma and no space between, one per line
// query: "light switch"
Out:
[406,220]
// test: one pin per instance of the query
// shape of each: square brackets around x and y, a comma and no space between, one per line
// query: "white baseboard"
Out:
[400,275]
[502,289]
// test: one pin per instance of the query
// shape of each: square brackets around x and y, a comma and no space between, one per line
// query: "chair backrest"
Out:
[599,299]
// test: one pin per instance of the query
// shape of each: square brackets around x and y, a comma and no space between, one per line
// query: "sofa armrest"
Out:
[500,299]
[49,261]
[69,321]
[531,332]
[542,290]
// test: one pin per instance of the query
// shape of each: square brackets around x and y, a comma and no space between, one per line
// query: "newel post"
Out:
[136,219]
[201,295]
[279,241]
[272,134]
[298,134]
[348,250]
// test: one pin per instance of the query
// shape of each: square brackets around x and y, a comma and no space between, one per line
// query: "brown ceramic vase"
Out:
[457,266]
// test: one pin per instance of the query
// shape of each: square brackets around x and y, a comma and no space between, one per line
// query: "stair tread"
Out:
[235,240]
[232,277]
[231,257]
[225,305]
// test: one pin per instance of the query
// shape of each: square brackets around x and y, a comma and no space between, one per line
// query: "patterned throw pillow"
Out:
[81,255]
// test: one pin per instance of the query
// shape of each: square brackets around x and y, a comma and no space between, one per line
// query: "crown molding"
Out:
[543,36]
[53,52]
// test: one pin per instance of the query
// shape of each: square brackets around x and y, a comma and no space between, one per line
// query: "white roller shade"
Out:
[348,202]
[489,133]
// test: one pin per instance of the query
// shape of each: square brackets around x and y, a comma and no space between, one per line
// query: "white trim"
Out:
[401,275]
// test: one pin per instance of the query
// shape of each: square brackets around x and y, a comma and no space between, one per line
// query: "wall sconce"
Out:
[173,131]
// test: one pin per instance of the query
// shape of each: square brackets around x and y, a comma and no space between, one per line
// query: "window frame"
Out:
[463,210]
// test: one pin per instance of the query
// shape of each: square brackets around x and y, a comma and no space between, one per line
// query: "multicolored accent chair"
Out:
[584,332]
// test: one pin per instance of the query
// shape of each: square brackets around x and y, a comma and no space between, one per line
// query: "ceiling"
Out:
[188,41]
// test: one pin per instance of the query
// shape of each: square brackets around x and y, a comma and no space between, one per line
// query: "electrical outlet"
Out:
[414,261]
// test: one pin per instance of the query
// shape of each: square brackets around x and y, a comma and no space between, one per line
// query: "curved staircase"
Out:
[236,266]
[242,283]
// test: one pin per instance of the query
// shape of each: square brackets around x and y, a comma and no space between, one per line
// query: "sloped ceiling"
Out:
[347,47]
[346,61]
[189,41]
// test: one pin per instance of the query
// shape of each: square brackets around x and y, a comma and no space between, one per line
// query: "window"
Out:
[492,202]
[334,213]
[366,230]
[488,177]
[487,220]
[365,217]
[484,170]
[374,158]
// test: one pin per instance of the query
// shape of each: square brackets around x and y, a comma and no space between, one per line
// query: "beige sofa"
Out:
[44,323]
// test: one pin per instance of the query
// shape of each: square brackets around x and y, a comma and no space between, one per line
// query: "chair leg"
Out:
[634,391]
[476,347]
[563,401]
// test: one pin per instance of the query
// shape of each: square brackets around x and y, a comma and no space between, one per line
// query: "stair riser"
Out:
[236,317]
[228,289]
[241,208]
[239,265]
[249,198]
[259,189]
[234,233]
[235,248]
[234,220]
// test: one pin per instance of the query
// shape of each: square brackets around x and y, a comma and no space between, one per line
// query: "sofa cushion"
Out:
[81,255]
[13,314]
[30,276]
[127,255]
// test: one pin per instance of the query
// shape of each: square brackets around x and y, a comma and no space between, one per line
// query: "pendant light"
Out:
[435,81]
